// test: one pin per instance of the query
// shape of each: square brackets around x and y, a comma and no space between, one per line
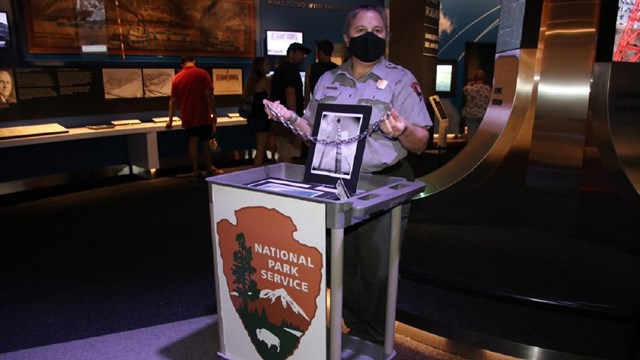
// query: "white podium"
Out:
[269,239]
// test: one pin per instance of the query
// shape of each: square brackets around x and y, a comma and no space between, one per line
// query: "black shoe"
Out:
[366,337]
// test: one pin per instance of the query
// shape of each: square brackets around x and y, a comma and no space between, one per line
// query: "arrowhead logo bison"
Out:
[273,279]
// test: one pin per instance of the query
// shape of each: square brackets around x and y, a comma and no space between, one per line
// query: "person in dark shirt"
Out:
[324,50]
[286,87]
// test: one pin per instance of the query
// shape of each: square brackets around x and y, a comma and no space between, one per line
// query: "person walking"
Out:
[192,93]
[477,96]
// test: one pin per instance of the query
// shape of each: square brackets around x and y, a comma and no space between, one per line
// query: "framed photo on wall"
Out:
[7,87]
[157,82]
[227,81]
[224,28]
[334,156]
[122,83]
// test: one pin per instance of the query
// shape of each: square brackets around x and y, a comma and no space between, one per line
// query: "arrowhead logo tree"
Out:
[247,288]
[274,280]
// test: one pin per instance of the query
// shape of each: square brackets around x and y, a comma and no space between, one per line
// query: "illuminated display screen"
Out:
[446,73]
[5,35]
[444,77]
[279,41]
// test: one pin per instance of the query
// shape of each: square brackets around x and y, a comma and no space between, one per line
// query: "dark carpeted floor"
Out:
[95,261]
[106,260]
[473,276]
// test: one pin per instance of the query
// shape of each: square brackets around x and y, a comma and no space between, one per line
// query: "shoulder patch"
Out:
[416,88]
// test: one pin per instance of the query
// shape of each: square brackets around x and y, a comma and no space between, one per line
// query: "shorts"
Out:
[201,132]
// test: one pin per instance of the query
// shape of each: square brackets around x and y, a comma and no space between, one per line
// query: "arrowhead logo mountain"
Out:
[274,280]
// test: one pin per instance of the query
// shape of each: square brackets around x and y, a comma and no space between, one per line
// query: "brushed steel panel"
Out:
[615,104]
[558,137]
[507,116]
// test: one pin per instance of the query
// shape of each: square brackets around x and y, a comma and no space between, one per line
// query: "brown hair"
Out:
[186,59]
[257,73]
[478,75]
[351,16]
[325,46]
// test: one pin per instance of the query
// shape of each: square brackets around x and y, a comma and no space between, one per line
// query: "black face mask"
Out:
[367,47]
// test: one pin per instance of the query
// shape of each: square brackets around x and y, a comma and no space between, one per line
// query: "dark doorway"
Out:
[477,56]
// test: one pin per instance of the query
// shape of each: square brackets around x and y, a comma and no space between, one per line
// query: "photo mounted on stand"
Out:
[333,157]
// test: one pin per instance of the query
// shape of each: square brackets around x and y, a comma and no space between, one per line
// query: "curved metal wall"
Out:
[555,119]
[568,52]
[507,116]
[532,139]
[616,118]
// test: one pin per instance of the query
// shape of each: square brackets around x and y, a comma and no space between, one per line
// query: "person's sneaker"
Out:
[214,171]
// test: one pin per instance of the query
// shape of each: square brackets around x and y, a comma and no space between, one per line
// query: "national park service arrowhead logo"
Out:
[273,279]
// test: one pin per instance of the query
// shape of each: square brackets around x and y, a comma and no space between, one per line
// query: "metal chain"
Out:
[372,129]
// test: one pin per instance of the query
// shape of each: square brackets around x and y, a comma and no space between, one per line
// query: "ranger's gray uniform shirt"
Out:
[386,86]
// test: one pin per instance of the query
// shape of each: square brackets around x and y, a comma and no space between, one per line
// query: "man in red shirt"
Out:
[192,91]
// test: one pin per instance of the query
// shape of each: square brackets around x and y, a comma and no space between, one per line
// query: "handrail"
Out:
[468,287]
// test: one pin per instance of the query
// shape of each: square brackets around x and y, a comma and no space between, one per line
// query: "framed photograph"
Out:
[157,82]
[227,81]
[334,156]
[122,83]
[224,28]
[7,87]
